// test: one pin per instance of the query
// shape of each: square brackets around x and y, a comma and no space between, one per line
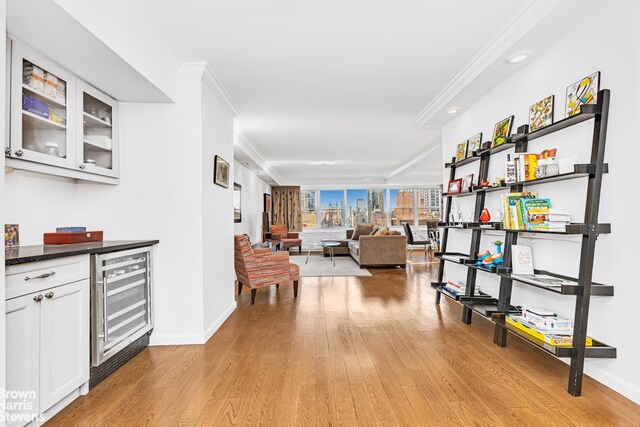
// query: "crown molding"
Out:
[201,70]
[413,161]
[527,18]
[249,148]
[146,34]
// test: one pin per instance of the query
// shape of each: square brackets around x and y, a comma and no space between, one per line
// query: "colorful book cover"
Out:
[71,229]
[536,213]
[551,339]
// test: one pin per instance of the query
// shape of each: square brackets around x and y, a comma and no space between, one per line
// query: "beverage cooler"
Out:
[121,306]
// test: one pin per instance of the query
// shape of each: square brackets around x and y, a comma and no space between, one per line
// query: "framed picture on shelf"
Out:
[237,202]
[473,144]
[541,114]
[221,172]
[461,152]
[502,131]
[467,183]
[11,235]
[582,92]
[454,186]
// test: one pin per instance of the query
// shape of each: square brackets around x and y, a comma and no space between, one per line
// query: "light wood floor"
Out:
[349,351]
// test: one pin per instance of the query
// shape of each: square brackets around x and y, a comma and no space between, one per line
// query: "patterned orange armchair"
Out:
[281,233]
[262,267]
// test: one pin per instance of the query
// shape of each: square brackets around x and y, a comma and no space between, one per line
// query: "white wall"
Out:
[217,214]
[252,203]
[611,46]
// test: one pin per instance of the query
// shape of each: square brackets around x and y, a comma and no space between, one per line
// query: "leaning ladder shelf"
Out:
[495,309]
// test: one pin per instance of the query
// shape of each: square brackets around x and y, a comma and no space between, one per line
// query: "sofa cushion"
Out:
[374,231]
[362,230]
[354,246]
[394,233]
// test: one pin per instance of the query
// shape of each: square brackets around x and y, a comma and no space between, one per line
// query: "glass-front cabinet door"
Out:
[42,130]
[97,140]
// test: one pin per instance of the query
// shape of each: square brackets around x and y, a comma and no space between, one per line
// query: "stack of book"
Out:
[454,289]
[545,326]
[525,211]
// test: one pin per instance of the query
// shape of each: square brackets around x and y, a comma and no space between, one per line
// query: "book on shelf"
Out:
[548,323]
[521,259]
[71,229]
[513,218]
[551,339]
[543,280]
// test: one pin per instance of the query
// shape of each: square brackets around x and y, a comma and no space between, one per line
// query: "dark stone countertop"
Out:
[24,254]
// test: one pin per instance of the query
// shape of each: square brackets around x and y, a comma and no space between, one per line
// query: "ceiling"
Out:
[330,90]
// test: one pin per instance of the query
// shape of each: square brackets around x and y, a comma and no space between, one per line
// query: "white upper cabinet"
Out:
[98,140]
[60,125]
[42,130]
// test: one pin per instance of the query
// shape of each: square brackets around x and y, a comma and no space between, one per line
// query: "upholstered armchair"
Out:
[282,234]
[257,268]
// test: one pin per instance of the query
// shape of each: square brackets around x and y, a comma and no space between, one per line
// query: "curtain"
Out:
[286,207]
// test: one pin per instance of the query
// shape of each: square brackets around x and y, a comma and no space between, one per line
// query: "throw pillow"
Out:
[394,233]
[362,230]
[374,231]
[383,232]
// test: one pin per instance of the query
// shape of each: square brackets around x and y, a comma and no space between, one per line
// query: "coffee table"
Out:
[325,244]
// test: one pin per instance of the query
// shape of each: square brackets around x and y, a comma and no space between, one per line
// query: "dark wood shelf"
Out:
[500,148]
[587,112]
[584,229]
[597,350]
[597,289]
[455,164]
[466,193]
[485,306]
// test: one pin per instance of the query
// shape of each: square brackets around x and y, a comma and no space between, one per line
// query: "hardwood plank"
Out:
[348,351]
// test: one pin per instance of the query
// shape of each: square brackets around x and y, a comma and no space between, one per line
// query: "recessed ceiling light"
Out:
[452,110]
[517,57]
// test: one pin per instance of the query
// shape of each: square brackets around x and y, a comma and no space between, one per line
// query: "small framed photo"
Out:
[454,187]
[582,92]
[541,114]
[473,144]
[11,235]
[467,183]
[502,131]
[221,172]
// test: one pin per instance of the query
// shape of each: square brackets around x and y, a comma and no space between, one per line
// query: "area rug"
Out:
[319,266]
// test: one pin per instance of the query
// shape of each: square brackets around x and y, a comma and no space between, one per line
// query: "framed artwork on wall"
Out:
[473,144]
[237,202]
[541,114]
[267,203]
[461,152]
[582,92]
[502,131]
[11,235]
[221,172]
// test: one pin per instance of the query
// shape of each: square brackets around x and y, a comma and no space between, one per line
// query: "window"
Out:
[401,206]
[428,201]
[332,208]
[309,211]
[377,211]
[357,210]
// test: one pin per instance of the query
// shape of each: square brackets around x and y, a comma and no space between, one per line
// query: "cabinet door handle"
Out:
[19,153]
[37,298]
[42,276]
[82,166]
[7,152]
[49,295]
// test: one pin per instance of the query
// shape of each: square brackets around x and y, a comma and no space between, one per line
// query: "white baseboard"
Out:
[175,339]
[192,339]
[626,388]
[219,321]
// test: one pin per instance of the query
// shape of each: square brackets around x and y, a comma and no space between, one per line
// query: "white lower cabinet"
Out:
[47,350]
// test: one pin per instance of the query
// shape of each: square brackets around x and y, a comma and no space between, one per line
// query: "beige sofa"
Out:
[374,251]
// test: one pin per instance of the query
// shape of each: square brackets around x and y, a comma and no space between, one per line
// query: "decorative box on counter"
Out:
[72,237]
